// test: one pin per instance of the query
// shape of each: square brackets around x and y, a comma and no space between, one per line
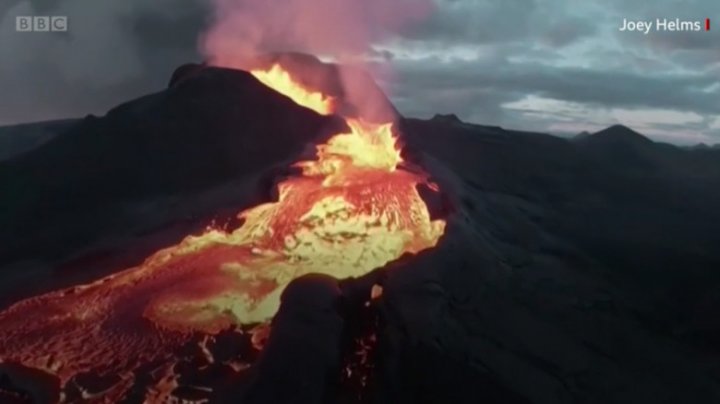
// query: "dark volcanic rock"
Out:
[20,384]
[215,126]
[185,72]
[447,118]
[616,134]
[566,275]
[218,125]
[303,352]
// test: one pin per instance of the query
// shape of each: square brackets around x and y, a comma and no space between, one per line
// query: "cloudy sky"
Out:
[558,66]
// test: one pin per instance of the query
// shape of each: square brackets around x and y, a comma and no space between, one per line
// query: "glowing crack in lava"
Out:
[351,211]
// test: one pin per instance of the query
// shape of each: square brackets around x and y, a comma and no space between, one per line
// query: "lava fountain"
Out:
[351,210]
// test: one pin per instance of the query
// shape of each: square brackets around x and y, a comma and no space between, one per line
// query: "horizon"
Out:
[564,135]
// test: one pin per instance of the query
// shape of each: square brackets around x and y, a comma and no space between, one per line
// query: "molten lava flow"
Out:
[352,210]
[280,80]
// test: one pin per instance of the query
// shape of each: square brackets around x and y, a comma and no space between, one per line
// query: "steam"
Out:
[339,28]
[342,30]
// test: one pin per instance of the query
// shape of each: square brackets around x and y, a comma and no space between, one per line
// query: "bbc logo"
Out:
[41,24]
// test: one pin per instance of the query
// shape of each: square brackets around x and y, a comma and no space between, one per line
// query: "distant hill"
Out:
[18,139]
[624,149]
[581,135]
[613,135]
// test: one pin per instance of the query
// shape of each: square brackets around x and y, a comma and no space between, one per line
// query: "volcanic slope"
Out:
[352,209]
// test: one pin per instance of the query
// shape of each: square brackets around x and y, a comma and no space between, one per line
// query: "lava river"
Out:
[353,209]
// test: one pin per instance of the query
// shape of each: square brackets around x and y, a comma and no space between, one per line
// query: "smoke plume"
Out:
[343,30]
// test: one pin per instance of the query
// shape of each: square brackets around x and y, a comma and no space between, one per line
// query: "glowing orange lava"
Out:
[351,211]
[280,80]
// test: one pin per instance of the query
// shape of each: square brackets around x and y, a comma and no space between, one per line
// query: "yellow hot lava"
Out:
[280,80]
[351,211]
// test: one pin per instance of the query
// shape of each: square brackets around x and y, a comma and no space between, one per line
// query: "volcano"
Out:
[260,236]
[350,211]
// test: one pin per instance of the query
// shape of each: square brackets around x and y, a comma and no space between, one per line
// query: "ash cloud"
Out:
[343,29]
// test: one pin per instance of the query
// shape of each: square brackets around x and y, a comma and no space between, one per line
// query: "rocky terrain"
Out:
[571,271]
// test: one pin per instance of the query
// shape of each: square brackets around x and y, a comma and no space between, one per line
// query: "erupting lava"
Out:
[351,211]
[279,79]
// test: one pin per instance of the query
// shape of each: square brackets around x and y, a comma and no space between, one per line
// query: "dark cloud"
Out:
[458,21]
[565,32]
[112,52]
[493,22]
[607,88]
[569,53]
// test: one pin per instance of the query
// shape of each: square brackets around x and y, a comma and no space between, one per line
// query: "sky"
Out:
[558,66]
